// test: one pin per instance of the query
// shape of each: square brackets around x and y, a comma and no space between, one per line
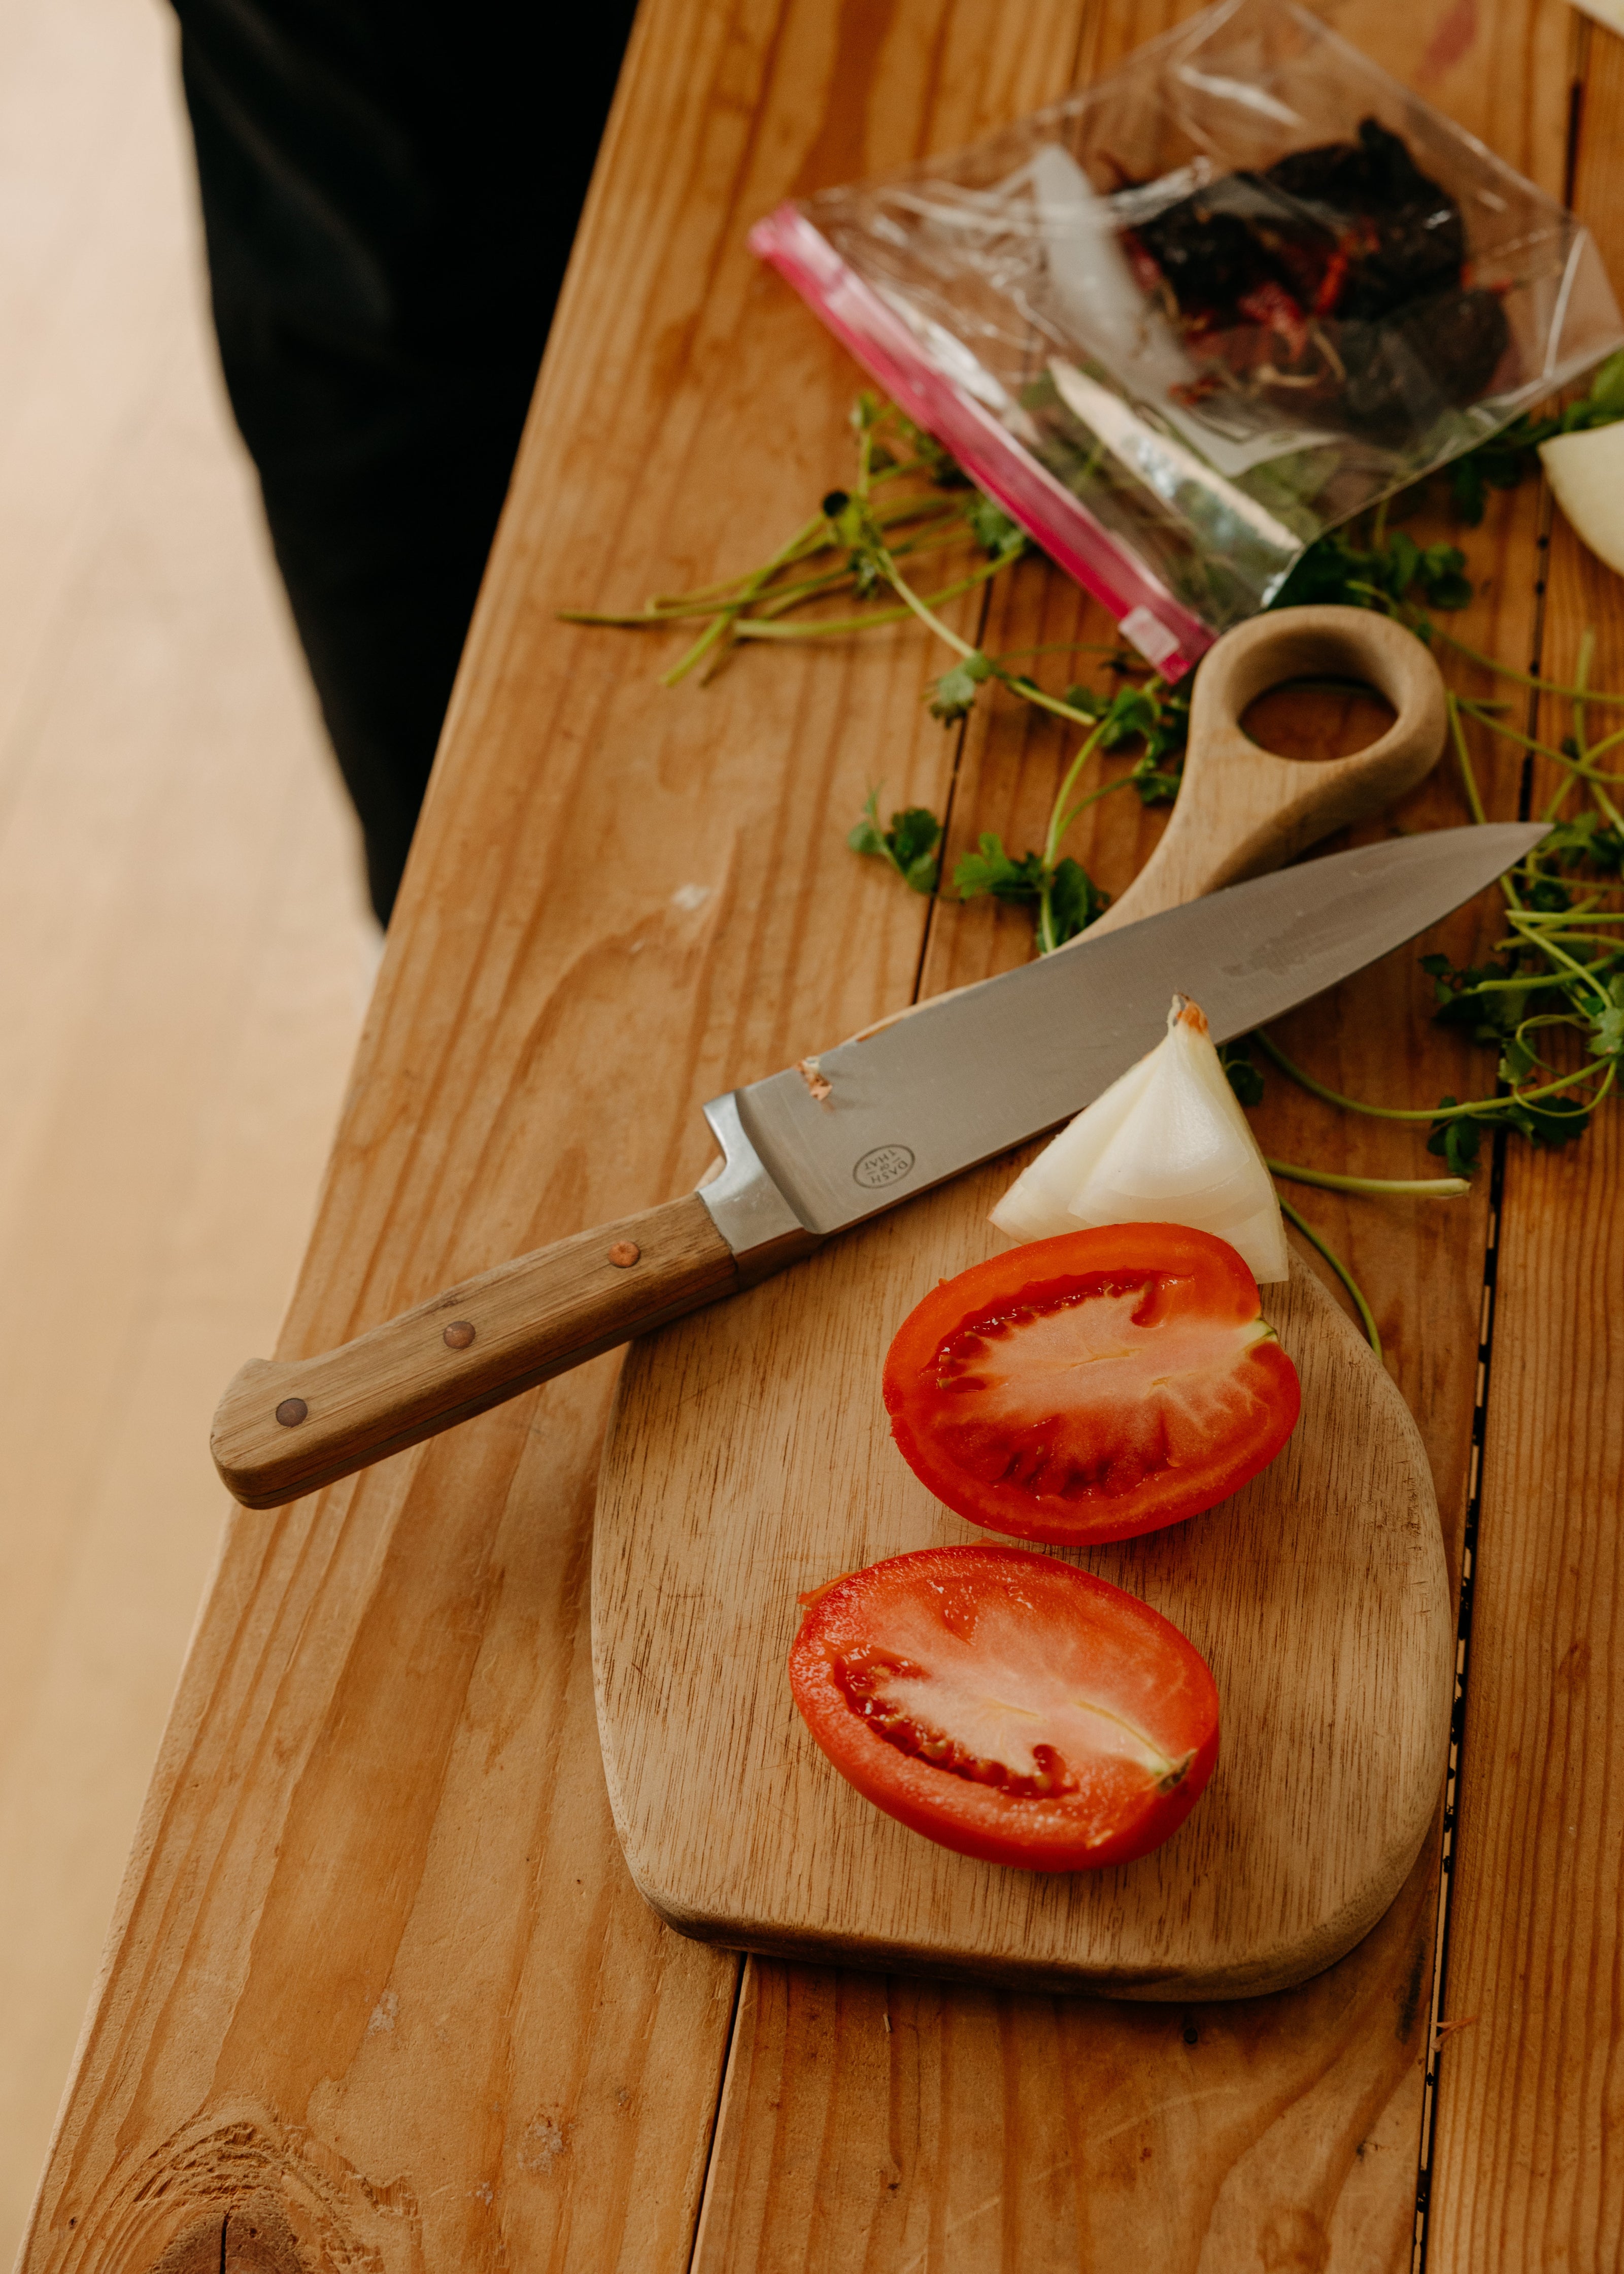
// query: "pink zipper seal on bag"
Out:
[1146,613]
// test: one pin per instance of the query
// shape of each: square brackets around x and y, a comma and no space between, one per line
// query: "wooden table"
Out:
[380,1994]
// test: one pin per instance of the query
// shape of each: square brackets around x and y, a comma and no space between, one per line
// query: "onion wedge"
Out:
[1586,472]
[1167,1143]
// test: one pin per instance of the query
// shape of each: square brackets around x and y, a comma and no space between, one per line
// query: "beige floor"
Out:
[184,958]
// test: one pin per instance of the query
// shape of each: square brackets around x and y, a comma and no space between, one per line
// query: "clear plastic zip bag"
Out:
[1183,322]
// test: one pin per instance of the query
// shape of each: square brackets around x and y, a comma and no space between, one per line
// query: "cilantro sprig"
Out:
[910,844]
[1064,899]
[1551,992]
[909,502]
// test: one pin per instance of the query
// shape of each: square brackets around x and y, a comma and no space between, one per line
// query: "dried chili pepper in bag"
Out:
[1187,321]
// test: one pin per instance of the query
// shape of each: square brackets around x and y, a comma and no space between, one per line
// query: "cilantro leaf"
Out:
[999,537]
[1546,895]
[1244,1080]
[1440,571]
[1155,784]
[992,870]
[1335,568]
[910,845]
[1584,839]
[940,464]
[1468,491]
[1607,1024]
[1131,710]
[1159,715]
[1493,1018]
[952,696]
[1506,459]
[1547,1125]
[1606,395]
[1457,1141]
[1074,900]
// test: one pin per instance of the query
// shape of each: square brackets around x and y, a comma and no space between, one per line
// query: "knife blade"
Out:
[881,1119]
[985,1069]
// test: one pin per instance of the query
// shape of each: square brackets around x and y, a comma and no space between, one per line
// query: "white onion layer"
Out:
[1167,1143]
[1586,471]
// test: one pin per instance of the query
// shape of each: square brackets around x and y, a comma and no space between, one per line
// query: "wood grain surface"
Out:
[1529,2158]
[750,1460]
[379,1990]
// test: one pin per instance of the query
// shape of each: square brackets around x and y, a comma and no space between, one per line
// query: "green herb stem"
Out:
[1029,693]
[778,601]
[1579,766]
[765,627]
[721,625]
[1367,1316]
[812,536]
[1524,678]
[922,608]
[1441,1188]
[1059,821]
[1476,1109]
[1458,735]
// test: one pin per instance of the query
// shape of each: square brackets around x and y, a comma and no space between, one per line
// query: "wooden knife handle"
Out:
[286,1426]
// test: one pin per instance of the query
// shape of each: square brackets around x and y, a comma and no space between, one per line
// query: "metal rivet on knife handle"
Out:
[624,1253]
[459,1334]
[292,1411]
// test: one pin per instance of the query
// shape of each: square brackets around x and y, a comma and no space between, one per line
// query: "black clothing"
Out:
[389,194]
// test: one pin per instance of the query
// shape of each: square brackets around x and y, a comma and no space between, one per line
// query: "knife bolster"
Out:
[746,1206]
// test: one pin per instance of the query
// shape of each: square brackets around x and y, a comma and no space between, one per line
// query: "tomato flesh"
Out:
[1092,1387]
[1008,1707]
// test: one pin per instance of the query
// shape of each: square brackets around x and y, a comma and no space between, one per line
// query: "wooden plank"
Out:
[1349,2203]
[1528,2173]
[1334,2186]
[186,959]
[377,1959]
[902,2123]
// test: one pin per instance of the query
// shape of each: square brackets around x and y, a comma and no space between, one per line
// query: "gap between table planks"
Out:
[378,1988]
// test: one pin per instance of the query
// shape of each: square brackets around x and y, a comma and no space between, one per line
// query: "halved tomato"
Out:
[1093,1386]
[1008,1706]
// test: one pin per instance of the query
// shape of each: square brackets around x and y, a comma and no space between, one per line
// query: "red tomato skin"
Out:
[980,1820]
[1227,1294]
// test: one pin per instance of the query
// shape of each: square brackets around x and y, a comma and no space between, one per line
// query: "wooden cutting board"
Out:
[749,1459]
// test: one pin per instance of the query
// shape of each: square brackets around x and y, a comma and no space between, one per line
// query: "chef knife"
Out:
[814,1150]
